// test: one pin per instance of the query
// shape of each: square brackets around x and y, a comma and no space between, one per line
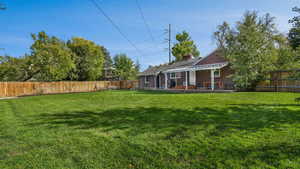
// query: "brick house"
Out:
[209,73]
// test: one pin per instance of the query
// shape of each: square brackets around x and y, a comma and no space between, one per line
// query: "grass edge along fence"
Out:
[15,89]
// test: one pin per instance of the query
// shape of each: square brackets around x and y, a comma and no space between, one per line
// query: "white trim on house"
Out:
[210,66]
[192,77]
[177,75]
[179,70]
[198,67]
[217,73]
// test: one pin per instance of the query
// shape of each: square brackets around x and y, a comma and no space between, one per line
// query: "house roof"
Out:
[154,70]
[214,60]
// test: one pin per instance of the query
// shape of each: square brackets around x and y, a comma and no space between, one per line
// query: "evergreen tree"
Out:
[184,46]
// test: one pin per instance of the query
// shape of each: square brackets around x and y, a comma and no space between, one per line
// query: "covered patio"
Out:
[198,77]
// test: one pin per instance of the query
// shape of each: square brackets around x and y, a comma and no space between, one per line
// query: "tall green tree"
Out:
[11,69]
[89,59]
[286,57]
[125,68]
[108,62]
[137,69]
[184,46]
[294,33]
[50,58]
[250,47]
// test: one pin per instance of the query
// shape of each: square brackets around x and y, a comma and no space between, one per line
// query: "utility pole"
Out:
[170,59]
[2,7]
[169,40]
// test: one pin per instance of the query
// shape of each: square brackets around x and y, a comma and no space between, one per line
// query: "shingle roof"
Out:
[214,57]
[157,69]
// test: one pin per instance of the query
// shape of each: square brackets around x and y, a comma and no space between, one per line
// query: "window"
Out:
[175,75]
[217,73]
[147,79]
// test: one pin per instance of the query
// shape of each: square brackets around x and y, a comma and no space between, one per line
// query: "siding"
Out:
[204,76]
[179,81]
[143,84]
[161,80]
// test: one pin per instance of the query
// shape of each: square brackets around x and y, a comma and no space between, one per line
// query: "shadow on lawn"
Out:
[176,122]
[141,120]
[266,105]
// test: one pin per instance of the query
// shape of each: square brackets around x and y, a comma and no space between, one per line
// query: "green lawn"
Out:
[130,129]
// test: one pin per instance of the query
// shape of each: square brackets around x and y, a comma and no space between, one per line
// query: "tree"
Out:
[125,68]
[108,62]
[137,68]
[294,33]
[286,57]
[50,58]
[12,69]
[185,46]
[89,59]
[250,48]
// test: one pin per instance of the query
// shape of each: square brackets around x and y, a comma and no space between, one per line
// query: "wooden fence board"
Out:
[279,86]
[14,89]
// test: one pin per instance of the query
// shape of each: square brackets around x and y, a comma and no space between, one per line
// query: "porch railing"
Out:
[217,85]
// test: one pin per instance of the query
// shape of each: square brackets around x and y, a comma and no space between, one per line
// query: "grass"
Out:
[131,129]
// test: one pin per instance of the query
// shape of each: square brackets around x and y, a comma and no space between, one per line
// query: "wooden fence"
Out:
[281,81]
[14,89]
[279,86]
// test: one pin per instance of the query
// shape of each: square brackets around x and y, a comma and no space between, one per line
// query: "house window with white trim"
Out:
[175,75]
[217,73]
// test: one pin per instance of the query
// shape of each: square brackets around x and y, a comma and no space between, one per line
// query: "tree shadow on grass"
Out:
[175,122]
[266,105]
[141,120]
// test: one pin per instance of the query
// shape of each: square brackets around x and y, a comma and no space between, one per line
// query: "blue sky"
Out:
[69,18]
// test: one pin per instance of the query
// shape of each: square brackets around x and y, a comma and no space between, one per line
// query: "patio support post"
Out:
[195,78]
[212,81]
[155,81]
[186,80]
[166,81]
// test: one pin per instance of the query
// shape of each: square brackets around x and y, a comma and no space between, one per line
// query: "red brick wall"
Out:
[161,80]
[179,81]
[204,76]
[143,84]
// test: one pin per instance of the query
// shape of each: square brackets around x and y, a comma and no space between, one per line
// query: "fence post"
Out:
[5,89]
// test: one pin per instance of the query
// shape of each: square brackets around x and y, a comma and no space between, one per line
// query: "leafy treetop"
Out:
[184,46]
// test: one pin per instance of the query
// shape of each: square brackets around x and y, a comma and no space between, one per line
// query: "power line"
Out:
[144,19]
[114,25]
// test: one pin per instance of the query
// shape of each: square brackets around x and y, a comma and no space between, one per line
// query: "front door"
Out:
[173,83]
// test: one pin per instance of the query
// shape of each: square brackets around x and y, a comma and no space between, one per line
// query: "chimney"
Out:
[188,57]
